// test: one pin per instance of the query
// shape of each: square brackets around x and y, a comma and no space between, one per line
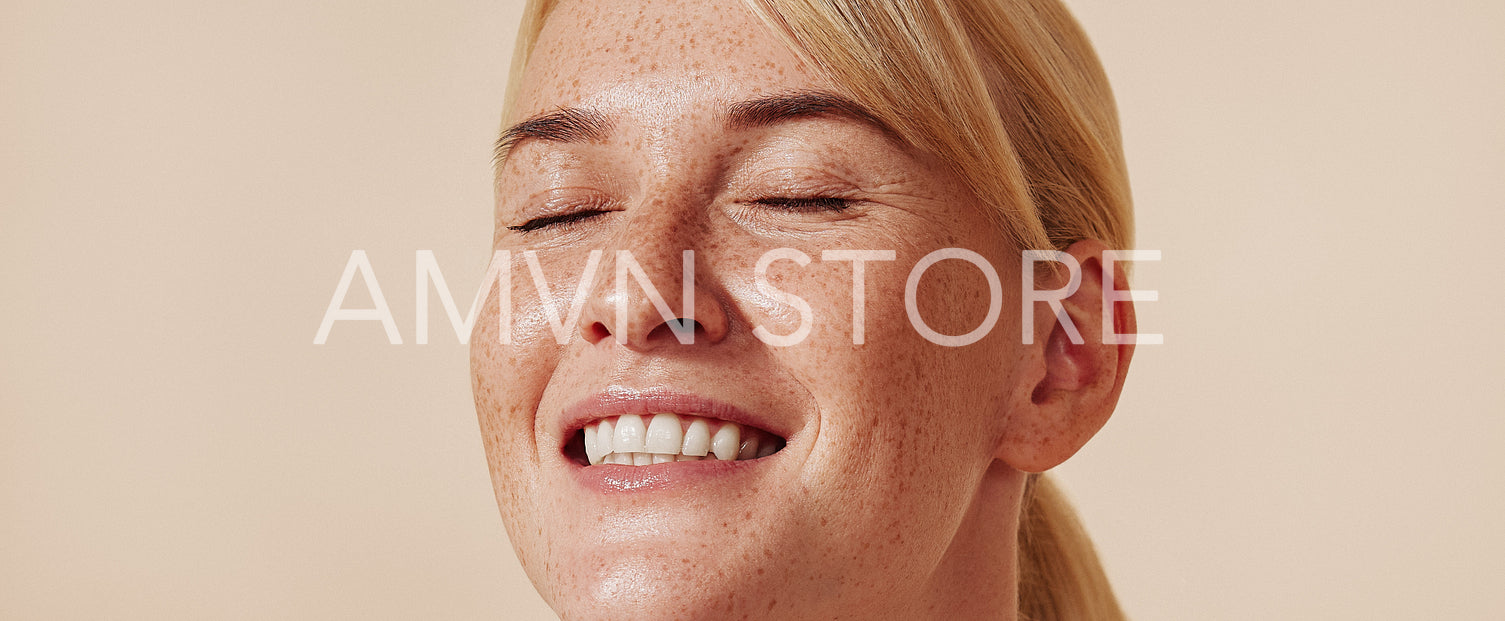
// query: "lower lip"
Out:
[618,479]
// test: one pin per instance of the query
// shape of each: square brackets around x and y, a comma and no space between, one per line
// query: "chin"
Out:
[666,585]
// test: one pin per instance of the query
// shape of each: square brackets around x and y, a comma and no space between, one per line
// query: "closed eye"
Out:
[559,220]
[806,205]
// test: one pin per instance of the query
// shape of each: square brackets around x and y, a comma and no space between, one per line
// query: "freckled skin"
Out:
[888,500]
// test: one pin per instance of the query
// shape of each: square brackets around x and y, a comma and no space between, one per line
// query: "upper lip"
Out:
[617,400]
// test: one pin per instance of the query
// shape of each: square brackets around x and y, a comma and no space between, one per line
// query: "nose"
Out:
[654,296]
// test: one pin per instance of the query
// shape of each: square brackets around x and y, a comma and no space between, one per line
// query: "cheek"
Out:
[953,297]
[507,379]
[906,427]
[895,369]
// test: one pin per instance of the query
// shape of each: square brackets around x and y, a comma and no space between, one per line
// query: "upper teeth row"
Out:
[628,440]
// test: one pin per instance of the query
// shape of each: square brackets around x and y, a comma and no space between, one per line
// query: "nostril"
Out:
[681,328]
[684,325]
[596,332]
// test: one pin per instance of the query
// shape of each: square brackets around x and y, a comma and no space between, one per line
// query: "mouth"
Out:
[622,427]
[663,437]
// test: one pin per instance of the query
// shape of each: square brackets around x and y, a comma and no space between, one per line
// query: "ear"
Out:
[1069,389]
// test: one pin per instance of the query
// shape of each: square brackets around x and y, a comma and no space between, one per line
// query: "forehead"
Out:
[630,56]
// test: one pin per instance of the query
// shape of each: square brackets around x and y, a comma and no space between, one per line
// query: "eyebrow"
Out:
[584,125]
[794,105]
[561,125]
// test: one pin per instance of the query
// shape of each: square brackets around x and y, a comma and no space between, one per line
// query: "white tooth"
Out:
[767,449]
[660,458]
[726,441]
[749,448]
[629,434]
[697,438]
[604,436]
[664,435]
[642,459]
[690,457]
[590,444]
[616,458]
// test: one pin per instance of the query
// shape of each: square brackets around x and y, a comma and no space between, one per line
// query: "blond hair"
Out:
[1010,94]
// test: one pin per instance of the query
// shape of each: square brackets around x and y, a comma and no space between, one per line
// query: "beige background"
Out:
[1319,438]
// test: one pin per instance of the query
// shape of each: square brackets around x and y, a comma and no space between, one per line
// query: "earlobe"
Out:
[1075,385]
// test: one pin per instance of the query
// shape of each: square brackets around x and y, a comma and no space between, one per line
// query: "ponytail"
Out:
[1060,578]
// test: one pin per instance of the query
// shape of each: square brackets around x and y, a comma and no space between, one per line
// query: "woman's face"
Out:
[690,126]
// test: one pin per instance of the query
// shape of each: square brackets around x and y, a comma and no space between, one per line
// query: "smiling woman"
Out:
[727,475]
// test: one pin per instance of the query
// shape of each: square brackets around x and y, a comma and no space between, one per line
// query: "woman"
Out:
[774,424]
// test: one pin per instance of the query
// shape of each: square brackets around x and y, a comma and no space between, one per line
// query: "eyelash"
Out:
[809,204]
[560,220]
